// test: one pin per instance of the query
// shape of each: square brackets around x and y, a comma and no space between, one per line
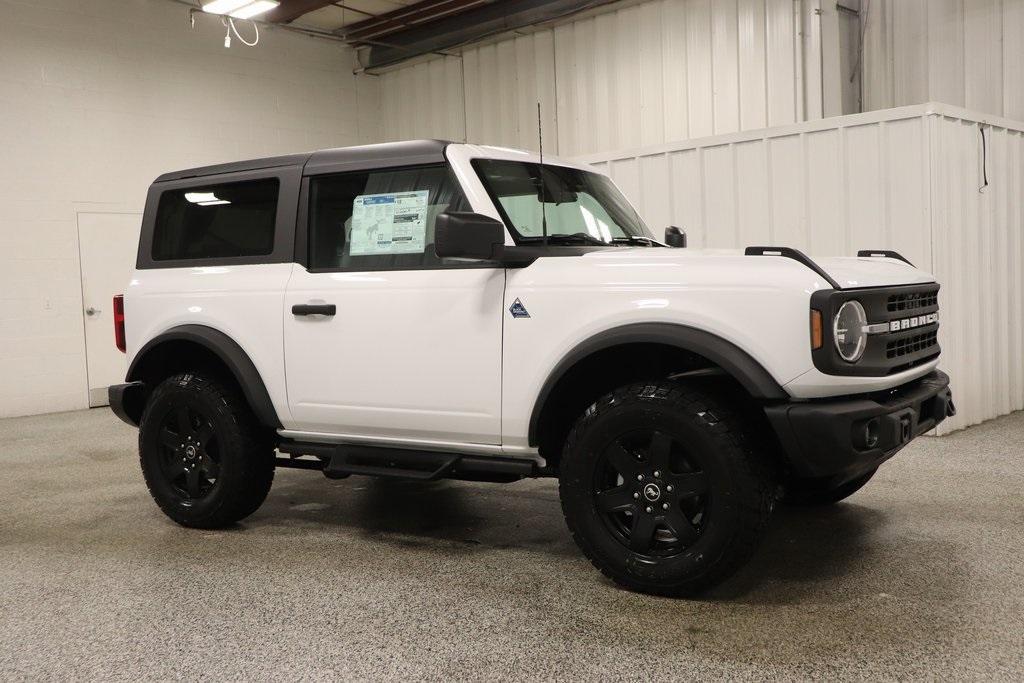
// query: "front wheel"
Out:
[661,490]
[202,454]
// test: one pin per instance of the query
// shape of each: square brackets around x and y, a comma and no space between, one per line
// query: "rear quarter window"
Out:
[216,221]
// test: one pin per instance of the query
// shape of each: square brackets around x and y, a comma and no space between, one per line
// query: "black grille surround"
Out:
[889,352]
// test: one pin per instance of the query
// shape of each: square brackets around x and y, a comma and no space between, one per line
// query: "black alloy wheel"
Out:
[651,497]
[191,452]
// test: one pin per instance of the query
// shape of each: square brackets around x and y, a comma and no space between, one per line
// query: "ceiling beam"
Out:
[459,28]
[405,17]
[290,10]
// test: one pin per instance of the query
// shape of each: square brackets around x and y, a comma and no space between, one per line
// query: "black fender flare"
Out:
[736,362]
[230,353]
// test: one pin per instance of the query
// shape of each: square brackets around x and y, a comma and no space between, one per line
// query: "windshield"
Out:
[576,206]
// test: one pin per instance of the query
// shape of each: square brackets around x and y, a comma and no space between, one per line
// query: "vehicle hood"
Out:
[850,272]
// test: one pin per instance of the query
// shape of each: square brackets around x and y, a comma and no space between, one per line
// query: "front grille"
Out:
[905,317]
[909,345]
[912,301]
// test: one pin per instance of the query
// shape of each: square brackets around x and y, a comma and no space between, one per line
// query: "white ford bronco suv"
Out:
[428,309]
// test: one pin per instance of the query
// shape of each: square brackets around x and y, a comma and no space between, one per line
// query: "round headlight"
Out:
[848,331]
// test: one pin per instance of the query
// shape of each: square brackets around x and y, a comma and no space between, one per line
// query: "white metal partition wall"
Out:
[910,179]
[965,52]
[638,74]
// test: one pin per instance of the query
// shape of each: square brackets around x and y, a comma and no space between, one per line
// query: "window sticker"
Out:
[389,223]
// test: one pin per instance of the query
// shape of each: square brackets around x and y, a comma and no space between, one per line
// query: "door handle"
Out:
[92,311]
[314,309]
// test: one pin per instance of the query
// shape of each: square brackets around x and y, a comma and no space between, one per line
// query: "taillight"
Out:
[119,322]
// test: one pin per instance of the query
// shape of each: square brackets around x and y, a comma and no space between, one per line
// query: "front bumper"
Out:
[838,439]
[127,401]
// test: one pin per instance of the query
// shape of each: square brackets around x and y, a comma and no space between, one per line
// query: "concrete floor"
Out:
[920,575]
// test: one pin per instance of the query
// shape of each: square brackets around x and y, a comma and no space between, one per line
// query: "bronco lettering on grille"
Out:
[916,321]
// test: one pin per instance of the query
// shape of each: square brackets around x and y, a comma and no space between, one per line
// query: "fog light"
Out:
[867,434]
[870,436]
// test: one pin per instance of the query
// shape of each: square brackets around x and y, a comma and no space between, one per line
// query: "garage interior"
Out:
[825,126]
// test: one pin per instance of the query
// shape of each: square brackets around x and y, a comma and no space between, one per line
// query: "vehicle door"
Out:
[384,340]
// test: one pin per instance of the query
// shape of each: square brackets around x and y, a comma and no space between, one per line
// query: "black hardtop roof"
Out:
[404,153]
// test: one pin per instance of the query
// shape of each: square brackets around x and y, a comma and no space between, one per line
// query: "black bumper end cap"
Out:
[126,401]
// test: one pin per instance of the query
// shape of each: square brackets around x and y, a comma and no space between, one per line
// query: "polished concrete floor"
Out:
[920,575]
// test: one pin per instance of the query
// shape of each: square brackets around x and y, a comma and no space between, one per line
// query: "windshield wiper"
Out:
[636,239]
[573,238]
[587,238]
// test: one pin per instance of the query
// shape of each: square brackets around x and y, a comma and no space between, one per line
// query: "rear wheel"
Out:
[810,493]
[660,488]
[202,454]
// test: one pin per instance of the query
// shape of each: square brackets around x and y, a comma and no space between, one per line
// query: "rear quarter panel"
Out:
[245,302]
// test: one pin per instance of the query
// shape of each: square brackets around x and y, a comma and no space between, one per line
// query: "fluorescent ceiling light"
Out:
[251,10]
[224,6]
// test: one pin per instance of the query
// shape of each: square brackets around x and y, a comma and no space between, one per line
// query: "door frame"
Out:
[87,208]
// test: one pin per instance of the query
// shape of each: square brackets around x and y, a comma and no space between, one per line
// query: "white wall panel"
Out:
[780,63]
[424,100]
[752,56]
[907,179]
[824,214]
[97,99]
[641,75]
[968,53]
[697,15]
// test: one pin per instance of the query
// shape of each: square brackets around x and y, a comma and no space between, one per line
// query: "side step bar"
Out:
[338,461]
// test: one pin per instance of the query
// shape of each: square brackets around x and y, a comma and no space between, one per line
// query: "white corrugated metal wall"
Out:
[424,100]
[645,74]
[675,69]
[968,53]
[978,254]
[906,179]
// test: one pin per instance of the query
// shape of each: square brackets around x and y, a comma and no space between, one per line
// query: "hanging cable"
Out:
[255,27]
[984,158]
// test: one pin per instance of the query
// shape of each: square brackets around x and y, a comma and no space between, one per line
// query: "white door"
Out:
[408,354]
[107,243]
[383,340]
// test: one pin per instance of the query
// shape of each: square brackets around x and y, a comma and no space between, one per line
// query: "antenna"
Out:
[543,193]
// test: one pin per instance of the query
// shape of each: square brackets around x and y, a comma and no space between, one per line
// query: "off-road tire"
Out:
[809,493]
[704,434]
[244,456]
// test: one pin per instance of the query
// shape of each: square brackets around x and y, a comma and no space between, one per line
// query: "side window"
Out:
[216,221]
[380,220]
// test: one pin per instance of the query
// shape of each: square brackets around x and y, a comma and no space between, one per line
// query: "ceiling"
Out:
[391,31]
[339,17]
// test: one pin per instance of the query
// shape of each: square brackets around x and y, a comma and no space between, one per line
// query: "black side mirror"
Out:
[674,237]
[468,235]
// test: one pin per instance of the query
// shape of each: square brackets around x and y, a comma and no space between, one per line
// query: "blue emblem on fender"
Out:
[518,310]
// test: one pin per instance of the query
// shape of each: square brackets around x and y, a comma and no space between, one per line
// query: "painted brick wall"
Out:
[97,98]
